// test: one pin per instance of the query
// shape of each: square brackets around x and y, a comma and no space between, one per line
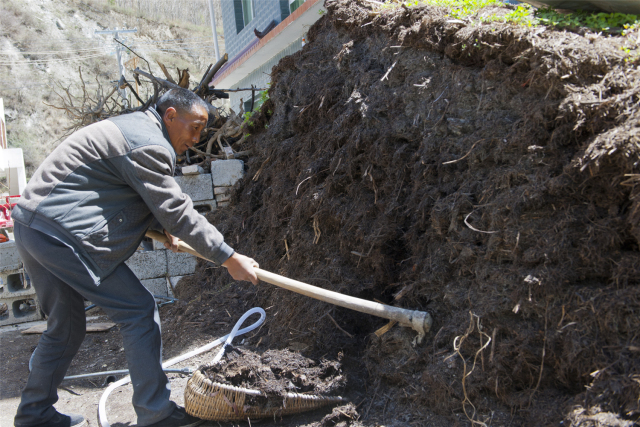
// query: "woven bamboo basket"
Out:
[220,402]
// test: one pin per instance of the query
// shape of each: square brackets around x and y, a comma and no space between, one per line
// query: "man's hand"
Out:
[174,242]
[241,267]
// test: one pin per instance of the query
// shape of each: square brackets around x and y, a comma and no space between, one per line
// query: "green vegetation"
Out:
[593,21]
[471,5]
[524,14]
[264,96]
[630,46]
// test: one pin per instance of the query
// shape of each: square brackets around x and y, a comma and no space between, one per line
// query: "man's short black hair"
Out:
[183,100]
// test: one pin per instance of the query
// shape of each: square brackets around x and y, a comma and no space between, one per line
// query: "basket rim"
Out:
[253,392]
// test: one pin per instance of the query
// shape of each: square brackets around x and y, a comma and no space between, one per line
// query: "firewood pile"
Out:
[221,139]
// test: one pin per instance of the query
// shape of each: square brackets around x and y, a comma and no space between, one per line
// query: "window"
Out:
[294,4]
[247,11]
[244,13]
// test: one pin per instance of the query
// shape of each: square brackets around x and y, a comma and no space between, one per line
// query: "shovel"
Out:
[420,321]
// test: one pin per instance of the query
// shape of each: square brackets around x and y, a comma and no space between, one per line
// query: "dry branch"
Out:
[166,72]
[85,108]
[209,75]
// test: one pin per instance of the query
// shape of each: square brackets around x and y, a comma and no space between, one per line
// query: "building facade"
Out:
[258,33]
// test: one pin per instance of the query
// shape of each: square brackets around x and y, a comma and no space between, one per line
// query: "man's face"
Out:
[184,128]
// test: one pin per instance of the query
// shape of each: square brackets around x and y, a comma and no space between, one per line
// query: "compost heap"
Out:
[276,372]
[487,174]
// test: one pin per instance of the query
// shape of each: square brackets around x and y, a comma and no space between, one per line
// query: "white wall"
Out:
[12,166]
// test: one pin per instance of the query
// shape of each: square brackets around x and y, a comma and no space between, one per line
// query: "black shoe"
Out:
[62,420]
[178,418]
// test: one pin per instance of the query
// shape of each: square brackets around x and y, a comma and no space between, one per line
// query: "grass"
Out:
[594,21]
[631,42]
[526,15]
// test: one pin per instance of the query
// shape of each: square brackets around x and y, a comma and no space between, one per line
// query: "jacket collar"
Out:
[155,114]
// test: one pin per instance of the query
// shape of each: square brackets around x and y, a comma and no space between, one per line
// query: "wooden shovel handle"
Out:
[420,321]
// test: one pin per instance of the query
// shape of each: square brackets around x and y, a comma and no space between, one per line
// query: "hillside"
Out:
[44,44]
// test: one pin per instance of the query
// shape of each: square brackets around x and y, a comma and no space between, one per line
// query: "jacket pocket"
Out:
[110,227]
[116,240]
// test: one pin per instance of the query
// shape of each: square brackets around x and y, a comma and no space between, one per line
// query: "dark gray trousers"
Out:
[60,281]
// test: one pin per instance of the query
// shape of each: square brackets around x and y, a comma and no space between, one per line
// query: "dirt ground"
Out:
[487,174]
[102,351]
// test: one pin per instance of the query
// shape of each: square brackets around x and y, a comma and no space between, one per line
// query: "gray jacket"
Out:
[100,190]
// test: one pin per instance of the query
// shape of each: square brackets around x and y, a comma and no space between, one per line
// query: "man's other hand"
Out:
[174,242]
[241,267]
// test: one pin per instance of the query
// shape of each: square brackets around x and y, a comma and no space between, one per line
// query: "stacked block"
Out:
[198,187]
[18,301]
[224,175]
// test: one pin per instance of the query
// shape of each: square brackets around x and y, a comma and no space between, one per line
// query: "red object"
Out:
[6,205]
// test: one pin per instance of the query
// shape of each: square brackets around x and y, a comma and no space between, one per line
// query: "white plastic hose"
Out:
[102,412]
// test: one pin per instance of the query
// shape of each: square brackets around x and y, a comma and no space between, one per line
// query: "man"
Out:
[84,212]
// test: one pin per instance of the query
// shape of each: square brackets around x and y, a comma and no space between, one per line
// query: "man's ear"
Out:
[169,114]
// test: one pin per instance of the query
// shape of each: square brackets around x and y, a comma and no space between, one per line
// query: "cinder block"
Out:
[223,194]
[148,264]
[157,286]
[9,268]
[198,187]
[192,170]
[223,197]
[225,173]
[15,283]
[19,309]
[179,264]
[221,190]
[205,206]
[223,204]
[9,257]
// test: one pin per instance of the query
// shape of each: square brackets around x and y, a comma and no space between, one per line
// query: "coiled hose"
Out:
[102,412]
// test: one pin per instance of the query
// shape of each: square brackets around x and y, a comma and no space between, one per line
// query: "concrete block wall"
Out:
[14,283]
[19,309]
[265,11]
[225,173]
[180,264]
[198,187]
[9,257]
[148,264]
[18,302]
